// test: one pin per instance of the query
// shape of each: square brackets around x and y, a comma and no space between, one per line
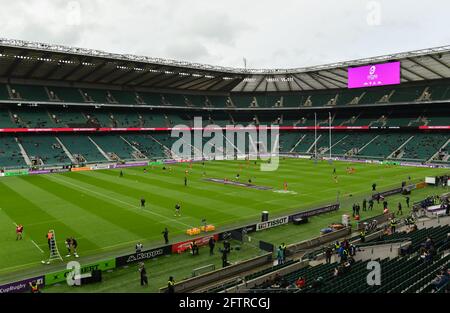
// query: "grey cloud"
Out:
[270,34]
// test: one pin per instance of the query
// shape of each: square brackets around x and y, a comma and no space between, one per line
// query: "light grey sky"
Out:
[268,33]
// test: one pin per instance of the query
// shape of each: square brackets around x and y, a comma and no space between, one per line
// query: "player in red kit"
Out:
[19,232]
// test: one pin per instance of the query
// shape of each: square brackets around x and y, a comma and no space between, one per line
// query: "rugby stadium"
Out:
[122,173]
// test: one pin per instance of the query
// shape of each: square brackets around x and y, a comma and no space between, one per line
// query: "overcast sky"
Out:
[269,34]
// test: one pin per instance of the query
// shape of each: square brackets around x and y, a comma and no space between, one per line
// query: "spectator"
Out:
[328,253]
[171,285]
[280,255]
[442,278]
[300,283]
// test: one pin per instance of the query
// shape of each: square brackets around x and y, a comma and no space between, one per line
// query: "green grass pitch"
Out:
[102,210]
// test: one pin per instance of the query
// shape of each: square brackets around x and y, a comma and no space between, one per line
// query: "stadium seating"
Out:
[408,274]
[423,146]
[10,156]
[46,148]
[146,144]
[81,145]
[114,145]
[384,145]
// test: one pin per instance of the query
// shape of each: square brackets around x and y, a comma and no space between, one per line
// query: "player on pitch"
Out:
[177,209]
[19,232]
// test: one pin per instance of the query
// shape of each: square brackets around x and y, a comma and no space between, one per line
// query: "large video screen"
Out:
[374,75]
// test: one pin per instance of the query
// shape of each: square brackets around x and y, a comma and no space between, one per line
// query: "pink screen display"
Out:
[374,75]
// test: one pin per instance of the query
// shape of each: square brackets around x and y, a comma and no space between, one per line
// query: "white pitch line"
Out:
[42,251]
[118,200]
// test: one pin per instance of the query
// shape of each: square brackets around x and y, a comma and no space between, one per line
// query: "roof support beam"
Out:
[141,75]
[170,80]
[412,72]
[55,68]
[34,68]
[15,63]
[118,78]
[427,68]
[213,83]
[275,85]
[144,82]
[312,88]
[329,80]
[326,74]
[316,80]
[187,81]
[95,69]
[258,84]
[294,78]
[76,68]
[439,61]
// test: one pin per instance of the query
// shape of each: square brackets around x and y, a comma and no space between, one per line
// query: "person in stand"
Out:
[166,235]
[19,232]
[393,225]
[34,287]
[143,274]
[284,249]
[171,285]
[362,236]
[328,254]
[300,283]
[211,244]
[279,255]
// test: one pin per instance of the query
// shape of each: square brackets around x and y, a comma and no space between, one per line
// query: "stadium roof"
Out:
[40,61]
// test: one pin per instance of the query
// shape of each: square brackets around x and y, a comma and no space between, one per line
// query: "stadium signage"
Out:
[374,75]
[185,245]
[57,277]
[313,212]
[16,173]
[130,164]
[21,286]
[100,166]
[144,255]
[69,130]
[388,193]
[272,223]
